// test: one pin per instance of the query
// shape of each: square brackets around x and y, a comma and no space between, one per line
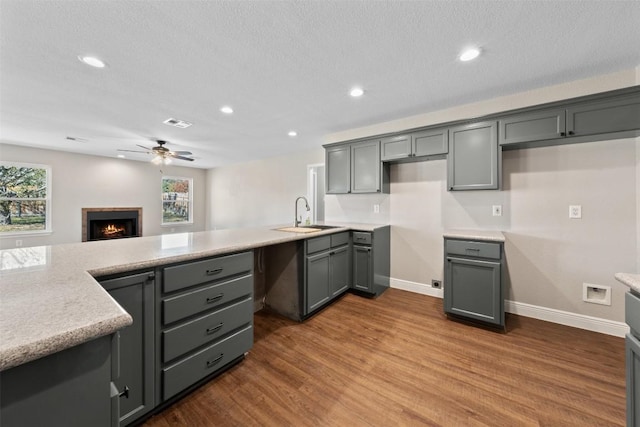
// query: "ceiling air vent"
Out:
[177,123]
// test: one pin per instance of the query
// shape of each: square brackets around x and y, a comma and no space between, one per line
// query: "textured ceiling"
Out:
[281,65]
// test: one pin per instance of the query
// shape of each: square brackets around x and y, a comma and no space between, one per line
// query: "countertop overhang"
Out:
[50,300]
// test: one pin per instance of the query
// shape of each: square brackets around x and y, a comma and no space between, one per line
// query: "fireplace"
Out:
[111,223]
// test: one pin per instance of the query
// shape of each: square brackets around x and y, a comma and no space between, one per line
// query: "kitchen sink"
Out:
[322,227]
[307,228]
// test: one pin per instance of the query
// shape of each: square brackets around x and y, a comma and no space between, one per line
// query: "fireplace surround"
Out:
[111,223]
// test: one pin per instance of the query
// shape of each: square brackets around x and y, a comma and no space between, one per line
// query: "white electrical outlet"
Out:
[575,211]
[497,210]
[376,208]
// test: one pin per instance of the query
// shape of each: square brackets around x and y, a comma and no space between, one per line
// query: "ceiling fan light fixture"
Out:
[157,160]
[166,160]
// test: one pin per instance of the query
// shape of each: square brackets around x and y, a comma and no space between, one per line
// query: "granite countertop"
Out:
[631,280]
[484,235]
[50,301]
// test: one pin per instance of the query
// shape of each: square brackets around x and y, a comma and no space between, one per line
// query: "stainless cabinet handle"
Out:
[214,271]
[214,299]
[211,363]
[562,134]
[571,132]
[124,393]
[214,329]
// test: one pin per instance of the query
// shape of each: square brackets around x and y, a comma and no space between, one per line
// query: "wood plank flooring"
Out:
[397,361]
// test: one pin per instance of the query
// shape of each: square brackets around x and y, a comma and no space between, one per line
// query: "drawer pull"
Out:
[472,250]
[214,299]
[214,329]
[214,362]
[214,271]
[361,238]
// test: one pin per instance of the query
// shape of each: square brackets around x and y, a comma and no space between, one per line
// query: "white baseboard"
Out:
[419,288]
[581,321]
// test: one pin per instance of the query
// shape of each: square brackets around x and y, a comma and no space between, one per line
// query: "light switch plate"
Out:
[376,208]
[575,211]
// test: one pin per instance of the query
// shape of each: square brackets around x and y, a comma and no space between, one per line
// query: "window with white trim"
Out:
[25,198]
[177,200]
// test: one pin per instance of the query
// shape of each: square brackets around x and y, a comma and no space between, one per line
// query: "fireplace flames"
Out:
[113,230]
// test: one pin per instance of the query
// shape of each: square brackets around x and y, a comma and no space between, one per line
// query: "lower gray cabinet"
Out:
[473,281]
[473,161]
[371,261]
[632,357]
[135,293]
[326,270]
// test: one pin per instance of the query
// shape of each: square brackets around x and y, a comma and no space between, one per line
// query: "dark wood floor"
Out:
[396,361]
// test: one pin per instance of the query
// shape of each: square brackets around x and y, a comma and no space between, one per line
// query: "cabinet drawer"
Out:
[181,339]
[361,238]
[339,239]
[185,275]
[181,375]
[632,312]
[471,248]
[318,244]
[190,303]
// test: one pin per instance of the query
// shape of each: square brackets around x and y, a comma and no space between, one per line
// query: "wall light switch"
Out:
[376,208]
[497,210]
[575,211]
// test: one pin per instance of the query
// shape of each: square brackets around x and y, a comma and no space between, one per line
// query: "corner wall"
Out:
[83,181]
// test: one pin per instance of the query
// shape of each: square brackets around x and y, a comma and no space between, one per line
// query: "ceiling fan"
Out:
[162,154]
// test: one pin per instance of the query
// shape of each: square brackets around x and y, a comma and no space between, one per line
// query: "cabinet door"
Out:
[362,268]
[633,380]
[338,167]
[535,126]
[317,281]
[430,142]
[473,289]
[472,163]
[396,147]
[592,118]
[339,270]
[365,167]
[135,294]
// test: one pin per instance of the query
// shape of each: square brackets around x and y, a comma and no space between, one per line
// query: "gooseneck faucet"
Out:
[295,213]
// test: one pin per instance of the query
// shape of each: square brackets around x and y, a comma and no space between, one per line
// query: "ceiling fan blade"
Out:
[135,151]
[182,153]
[142,146]
[183,158]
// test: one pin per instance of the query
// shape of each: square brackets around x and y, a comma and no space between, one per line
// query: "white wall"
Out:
[548,255]
[82,181]
[261,192]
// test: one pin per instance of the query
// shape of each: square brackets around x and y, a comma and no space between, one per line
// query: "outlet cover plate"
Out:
[497,210]
[575,211]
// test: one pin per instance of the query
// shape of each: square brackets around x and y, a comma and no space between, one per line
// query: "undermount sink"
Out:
[307,228]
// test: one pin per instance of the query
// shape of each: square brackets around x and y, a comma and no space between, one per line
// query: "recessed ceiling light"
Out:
[93,61]
[121,156]
[292,133]
[356,92]
[226,109]
[469,54]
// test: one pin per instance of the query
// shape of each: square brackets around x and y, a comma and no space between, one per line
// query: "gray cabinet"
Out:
[355,168]
[632,344]
[326,272]
[473,280]
[70,388]
[338,169]
[205,320]
[365,167]
[416,145]
[371,261]
[135,293]
[473,161]
[607,116]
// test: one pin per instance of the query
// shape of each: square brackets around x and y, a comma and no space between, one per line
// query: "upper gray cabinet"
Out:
[355,168]
[338,169]
[365,167]
[595,117]
[472,163]
[418,144]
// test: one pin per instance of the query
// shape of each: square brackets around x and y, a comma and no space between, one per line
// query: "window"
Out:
[25,198]
[177,200]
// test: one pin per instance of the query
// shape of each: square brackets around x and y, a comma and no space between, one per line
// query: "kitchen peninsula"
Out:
[50,302]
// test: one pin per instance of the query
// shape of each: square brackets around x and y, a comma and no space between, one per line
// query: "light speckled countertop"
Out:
[49,300]
[631,280]
[486,235]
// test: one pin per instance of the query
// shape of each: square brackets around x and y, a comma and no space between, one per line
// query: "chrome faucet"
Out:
[295,213]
